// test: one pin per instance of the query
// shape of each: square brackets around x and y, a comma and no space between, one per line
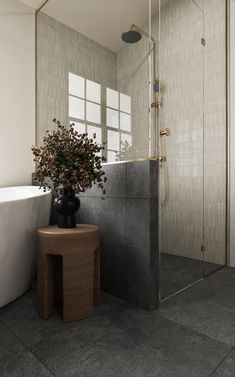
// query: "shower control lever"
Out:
[162,158]
[165,132]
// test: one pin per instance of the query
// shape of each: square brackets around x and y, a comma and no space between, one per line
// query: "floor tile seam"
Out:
[221,362]
[196,331]
[42,363]
[25,348]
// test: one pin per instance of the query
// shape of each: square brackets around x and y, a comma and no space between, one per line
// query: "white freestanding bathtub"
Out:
[23,209]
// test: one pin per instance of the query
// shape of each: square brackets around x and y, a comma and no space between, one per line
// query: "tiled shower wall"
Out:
[196,116]
[62,50]
[195,113]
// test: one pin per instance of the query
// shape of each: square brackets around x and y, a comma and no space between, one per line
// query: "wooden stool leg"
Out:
[78,286]
[45,286]
[97,298]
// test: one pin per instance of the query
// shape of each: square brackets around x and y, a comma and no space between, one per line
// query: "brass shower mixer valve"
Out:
[155,104]
[165,132]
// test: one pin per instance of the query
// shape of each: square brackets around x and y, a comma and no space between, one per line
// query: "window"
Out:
[118,122]
[85,112]
[85,106]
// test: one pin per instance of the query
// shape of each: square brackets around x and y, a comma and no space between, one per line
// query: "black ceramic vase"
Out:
[66,206]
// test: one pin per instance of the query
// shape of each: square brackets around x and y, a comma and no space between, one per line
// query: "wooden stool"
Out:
[80,251]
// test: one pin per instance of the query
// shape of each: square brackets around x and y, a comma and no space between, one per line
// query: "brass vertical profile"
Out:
[36,65]
[155,104]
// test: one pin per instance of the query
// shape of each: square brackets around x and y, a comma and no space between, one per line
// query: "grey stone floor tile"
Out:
[208,307]
[22,318]
[8,343]
[219,288]
[107,302]
[227,368]
[23,364]
[128,341]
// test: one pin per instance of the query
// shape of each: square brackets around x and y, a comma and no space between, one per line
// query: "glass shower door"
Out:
[181,144]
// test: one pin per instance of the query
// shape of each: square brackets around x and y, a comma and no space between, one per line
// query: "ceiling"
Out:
[101,20]
[33,3]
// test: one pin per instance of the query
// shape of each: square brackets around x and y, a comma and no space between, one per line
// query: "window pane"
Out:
[91,130]
[125,103]
[93,112]
[76,108]
[79,127]
[111,157]
[112,98]
[113,140]
[93,91]
[76,85]
[112,118]
[125,122]
[126,137]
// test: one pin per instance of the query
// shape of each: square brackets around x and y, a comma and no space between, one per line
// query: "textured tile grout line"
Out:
[25,348]
[225,357]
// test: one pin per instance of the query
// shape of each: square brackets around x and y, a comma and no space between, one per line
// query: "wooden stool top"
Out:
[81,229]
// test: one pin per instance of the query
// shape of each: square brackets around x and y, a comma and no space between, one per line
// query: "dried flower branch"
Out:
[69,159]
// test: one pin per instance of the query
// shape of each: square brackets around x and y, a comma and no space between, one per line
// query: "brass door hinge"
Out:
[203,41]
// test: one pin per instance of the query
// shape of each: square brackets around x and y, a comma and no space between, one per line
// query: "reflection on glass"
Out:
[76,85]
[126,138]
[76,108]
[125,122]
[111,156]
[91,130]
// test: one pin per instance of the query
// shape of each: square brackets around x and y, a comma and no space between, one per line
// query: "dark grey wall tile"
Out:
[115,186]
[110,215]
[141,255]
[153,184]
[138,179]
[142,179]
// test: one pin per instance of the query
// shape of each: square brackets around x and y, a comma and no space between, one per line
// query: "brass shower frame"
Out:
[155,104]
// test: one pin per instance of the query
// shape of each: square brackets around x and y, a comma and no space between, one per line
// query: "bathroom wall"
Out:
[62,50]
[194,108]
[232,135]
[17,92]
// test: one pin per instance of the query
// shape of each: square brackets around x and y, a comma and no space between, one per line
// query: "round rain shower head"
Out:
[131,36]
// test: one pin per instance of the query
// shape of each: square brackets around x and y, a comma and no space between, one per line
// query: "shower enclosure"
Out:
[148,77]
[192,205]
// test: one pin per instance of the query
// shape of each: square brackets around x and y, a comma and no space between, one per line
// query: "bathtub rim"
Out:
[41,193]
